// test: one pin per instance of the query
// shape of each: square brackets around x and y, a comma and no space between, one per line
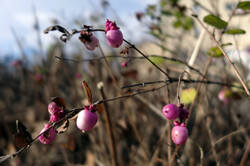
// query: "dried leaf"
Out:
[56,28]
[64,37]
[87,91]
[100,108]
[22,137]
[59,101]
[63,127]
[131,74]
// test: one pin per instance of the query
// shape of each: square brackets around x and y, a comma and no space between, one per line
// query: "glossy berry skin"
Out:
[86,120]
[179,134]
[49,136]
[171,111]
[53,108]
[114,36]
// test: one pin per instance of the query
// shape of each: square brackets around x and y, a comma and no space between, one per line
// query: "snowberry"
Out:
[179,134]
[86,119]
[89,40]
[53,108]
[222,95]
[114,36]
[48,136]
[124,63]
[171,111]
[57,116]
[78,75]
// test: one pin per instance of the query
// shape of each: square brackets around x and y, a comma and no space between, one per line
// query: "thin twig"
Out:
[139,51]
[72,113]
[130,57]
[172,80]
[220,140]
[109,127]
[225,55]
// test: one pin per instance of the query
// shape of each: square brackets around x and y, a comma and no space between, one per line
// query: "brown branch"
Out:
[140,52]
[109,127]
[70,114]
[172,80]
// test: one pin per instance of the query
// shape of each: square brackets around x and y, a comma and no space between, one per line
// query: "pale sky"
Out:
[18,14]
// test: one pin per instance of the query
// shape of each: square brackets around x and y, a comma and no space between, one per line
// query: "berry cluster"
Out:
[179,132]
[56,113]
[86,120]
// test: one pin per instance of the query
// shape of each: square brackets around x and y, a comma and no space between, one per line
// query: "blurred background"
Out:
[30,74]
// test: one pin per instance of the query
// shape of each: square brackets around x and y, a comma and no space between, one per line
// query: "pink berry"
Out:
[171,111]
[223,97]
[114,38]
[47,137]
[78,75]
[179,134]
[57,116]
[53,108]
[124,63]
[86,120]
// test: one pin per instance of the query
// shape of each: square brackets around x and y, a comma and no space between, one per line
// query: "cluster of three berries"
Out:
[179,132]
[86,120]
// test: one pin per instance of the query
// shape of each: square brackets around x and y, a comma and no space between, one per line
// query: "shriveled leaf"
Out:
[22,137]
[56,28]
[215,21]
[188,95]
[63,127]
[59,101]
[65,34]
[157,60]
[244,5]
[100,108]
[235,31]
[87,91]
[131,74]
